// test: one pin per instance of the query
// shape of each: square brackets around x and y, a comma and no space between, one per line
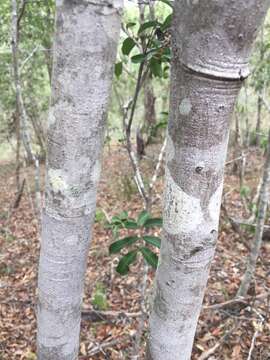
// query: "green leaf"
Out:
[118,68]
[167,22]
[128,45]
[143,216]
[156,67]
[152,222]
[125,262]
[130,24]
[166,56]
[153,240]
[139,58]
[245,191]
[150,257]
[118,245]
[116,221]
[167,2]
[131,224]
[147,25]
[123,215]
[99,297]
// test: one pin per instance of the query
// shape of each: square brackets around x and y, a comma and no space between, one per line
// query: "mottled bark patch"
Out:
[160,306]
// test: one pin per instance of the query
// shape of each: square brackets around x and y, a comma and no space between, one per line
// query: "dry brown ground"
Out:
[18,269]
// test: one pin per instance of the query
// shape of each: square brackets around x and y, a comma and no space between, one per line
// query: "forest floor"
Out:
[112,303]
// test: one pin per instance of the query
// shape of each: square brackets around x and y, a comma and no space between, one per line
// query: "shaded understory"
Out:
[110,335]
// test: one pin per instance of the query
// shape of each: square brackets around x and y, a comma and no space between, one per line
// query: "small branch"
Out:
[238,300]
[160,158]
[252,344]
[258,327]
[106,344]
[211,351]
[21,14]
[96,316]
[136,349]
[28,57]
[19,195]
[234,160]
[266,104]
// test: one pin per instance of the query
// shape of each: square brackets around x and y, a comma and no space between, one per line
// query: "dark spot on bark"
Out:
[221,108]
[241,77]
[199,169]
[170,282]
[213,232]
[196,250]
[196,290]
[181,329]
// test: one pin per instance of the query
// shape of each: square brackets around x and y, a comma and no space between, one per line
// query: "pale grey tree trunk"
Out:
[211,45]
[84,54]
[256,245]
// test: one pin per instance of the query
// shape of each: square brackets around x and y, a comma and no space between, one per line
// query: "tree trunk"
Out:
[20,107]
[237,146]
[84,54]
[258,122]
[256,245]
[246,115]
[19,100]
[149,103]
[259,100]
[18,147]
[211,45]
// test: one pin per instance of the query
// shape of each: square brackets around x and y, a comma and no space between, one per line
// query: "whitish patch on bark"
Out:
[185,107]
[51,118]
[56,180]
[214,205]
[170,150]
[182,212]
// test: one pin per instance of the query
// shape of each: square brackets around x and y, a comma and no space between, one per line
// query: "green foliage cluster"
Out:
[139,241]
[99,298]
[143,44]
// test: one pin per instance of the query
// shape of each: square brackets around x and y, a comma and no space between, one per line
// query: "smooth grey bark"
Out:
[256,245]
[211,43]
[84,55]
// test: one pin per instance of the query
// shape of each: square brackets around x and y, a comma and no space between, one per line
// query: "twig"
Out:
[160,157]
[136,349]
[234,160]
[106,344]
[212,350]
[95,315]
[252,344]
[239,300]
[19,195]
[258,327]
[28,57]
